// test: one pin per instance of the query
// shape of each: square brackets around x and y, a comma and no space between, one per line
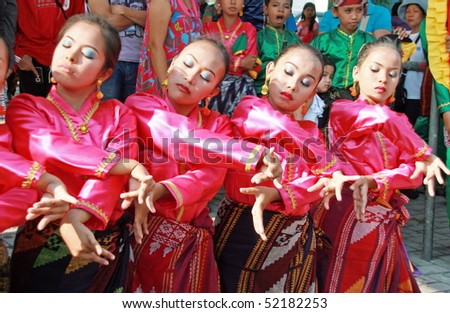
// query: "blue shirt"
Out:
[379,18]
[291,24]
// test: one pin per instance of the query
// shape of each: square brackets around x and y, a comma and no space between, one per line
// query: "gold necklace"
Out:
[83,128]
[226,37]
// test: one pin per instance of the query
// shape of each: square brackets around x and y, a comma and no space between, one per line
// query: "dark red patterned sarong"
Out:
[285,263]
[367,256]
[175,257]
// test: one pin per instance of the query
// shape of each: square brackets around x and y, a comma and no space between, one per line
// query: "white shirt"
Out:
[315,110]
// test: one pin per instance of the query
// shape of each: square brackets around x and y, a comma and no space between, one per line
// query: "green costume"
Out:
[342,49]
[442,95]
[443,104]
[270,43]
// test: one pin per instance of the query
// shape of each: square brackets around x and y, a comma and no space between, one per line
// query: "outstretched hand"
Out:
[81,241]
[330,187]
[53,204]
[270,170]
[263,196]
[327,190]
[50,208]
[58,190]
[431,168]
[141,186]
[140,225]
[361,195]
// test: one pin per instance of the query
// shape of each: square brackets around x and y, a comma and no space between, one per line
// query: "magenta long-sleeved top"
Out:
[17,178]
[374,140]
[191,178]
[48,132]
[256,120]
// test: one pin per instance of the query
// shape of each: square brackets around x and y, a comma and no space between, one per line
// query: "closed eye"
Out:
[307,82]
[205,75]
[66,43]
[188,61]
[289,70]
[88,53]
[393,74]
[375,69]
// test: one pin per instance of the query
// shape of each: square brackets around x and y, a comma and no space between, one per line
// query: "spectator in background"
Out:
[291,24]
[274,37]
[208,11]
[396,20]
[170,26]
[129,19]
[326,94]
[38,24]
[8,20]
[341,45]
[4,57]
[413,12]
[307,26]
[377,21]
[239,38]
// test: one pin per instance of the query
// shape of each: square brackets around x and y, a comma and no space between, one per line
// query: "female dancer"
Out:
[88,144]
[280,256]
[382,149]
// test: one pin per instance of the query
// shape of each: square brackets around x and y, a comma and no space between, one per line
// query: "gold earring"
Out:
[265,87]
[219,10]
[392,98]
[207,100]
[304,108]
[241,12]
[205,109]
[100,94]
[53,80]
[352,89]
[165,82]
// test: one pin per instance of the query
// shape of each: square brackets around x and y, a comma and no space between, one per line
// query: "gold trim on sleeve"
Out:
[94,208]
[386,185]
[421,151]
[178,196]
[291,196]
[30,175]
[101,168]
[326,167]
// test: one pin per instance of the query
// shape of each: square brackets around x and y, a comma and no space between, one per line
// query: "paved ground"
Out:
[435,274]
